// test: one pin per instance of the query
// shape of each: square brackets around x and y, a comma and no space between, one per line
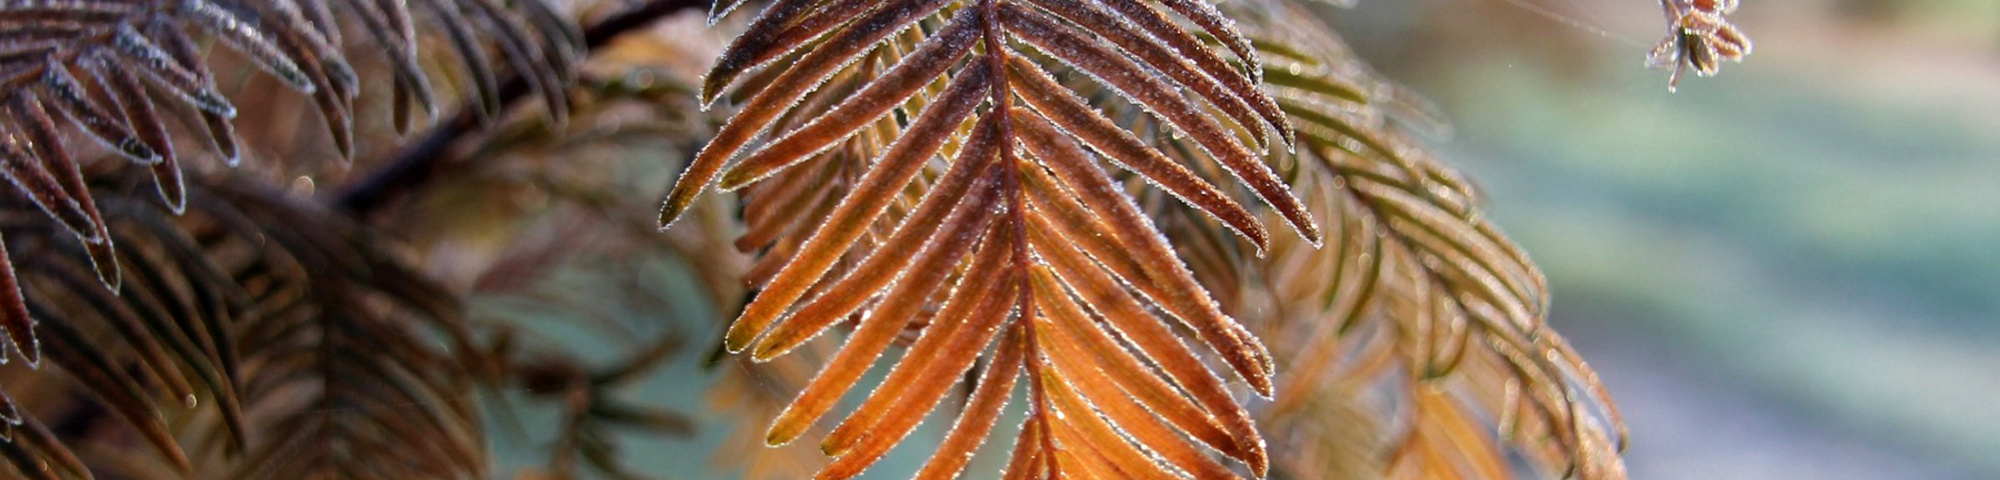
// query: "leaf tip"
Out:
[712,86]
[782,432]
[104,258]
[738,338]
[32,353]
[20,329]
[670,212]
[173,196]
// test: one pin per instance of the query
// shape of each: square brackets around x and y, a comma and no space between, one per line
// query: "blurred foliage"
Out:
[1809,238]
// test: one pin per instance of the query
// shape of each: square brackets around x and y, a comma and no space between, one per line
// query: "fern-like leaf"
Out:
[119,70]
[1416,296]
[978,215]
[283,315]
[345,365]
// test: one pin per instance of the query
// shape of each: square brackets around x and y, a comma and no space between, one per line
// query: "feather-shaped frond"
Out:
[305,337]
[931,180]
[118,70]
[160,343]
[1416,300]
[355,355]
[929,173]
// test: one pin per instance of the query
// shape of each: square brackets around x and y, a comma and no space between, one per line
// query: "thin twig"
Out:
[417,163]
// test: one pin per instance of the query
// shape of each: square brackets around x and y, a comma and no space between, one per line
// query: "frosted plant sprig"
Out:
[933,166]
[1698,38]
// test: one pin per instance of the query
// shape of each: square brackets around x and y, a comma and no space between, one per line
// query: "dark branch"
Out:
[418,162]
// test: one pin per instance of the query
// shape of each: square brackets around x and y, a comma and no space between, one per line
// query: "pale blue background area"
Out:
[1788,271]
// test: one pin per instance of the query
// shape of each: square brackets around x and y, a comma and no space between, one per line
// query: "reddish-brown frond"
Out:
[934,219]
[955,231]
[980,251]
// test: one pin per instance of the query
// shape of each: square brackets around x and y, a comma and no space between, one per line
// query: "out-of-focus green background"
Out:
[1791,270]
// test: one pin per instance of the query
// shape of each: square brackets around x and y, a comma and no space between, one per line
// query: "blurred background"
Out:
[1791,270]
